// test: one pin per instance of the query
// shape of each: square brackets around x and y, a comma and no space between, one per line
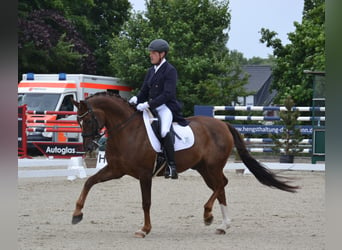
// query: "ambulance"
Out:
[43,93]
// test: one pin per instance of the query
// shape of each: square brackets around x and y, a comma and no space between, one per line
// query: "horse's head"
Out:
[91,122]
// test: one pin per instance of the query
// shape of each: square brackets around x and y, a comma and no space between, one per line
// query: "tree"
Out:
[46,39]
[70,36]
[197,33]
[306,51]
[287,142]
[237,57]
[261,61]
[97,21]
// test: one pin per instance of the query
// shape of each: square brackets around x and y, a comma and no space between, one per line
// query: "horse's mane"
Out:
[112,95]
[105,93]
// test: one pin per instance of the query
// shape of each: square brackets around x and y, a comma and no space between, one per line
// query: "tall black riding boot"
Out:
[170,169]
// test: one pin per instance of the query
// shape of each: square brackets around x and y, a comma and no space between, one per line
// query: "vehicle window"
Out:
[39,102]
[67,104]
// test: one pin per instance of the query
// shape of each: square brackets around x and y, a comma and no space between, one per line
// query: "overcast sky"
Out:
[249,16]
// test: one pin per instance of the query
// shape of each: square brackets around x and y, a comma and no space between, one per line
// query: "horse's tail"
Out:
[264,175]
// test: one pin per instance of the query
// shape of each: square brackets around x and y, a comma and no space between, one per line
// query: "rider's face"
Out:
[156,57]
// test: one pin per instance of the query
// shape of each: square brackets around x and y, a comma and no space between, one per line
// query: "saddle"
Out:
[182,137]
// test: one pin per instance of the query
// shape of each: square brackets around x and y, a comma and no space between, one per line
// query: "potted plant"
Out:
[90,159]
[287,142]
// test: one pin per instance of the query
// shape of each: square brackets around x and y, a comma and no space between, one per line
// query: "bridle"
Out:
[95,132]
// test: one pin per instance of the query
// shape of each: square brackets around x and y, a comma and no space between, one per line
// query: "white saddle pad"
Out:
[185,133]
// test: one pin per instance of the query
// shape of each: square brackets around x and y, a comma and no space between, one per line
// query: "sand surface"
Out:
[262,218]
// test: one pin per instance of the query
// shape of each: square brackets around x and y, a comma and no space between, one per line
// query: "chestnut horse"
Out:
[129,152]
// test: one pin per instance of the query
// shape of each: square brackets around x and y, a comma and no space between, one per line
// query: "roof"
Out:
[259,81]
[258,76]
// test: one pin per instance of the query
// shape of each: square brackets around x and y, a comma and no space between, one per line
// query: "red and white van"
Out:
[53,92]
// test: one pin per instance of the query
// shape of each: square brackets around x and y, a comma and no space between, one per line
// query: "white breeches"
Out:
[166,117]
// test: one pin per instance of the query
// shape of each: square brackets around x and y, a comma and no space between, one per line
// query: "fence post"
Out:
[22,136]
[203,110]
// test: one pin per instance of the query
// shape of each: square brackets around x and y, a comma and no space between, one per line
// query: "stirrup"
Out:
[173,173]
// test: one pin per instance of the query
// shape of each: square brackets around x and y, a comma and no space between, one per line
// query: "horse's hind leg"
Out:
[208,207]
[102,175]
[216,182]
[224,210]
[214,185]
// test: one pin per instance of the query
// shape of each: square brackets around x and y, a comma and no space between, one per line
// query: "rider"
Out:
[158,93]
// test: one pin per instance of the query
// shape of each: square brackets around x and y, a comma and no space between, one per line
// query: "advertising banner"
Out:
[268,129]
[60,149]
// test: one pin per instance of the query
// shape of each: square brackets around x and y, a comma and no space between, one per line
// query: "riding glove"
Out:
[143,106]
[133,100]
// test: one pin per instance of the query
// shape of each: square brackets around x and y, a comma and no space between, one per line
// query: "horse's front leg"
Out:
[102,175]
[145,186]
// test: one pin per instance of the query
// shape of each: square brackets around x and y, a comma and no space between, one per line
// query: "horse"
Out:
[129,152]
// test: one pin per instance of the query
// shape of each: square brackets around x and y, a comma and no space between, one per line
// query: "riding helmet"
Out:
[159,45]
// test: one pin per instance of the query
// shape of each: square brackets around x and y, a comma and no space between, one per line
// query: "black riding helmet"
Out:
[159,45]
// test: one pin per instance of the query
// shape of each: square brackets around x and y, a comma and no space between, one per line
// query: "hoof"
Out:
[140,234]
[208,220]
[220,231]
[77,218]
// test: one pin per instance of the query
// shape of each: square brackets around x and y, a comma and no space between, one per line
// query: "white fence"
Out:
[75,167]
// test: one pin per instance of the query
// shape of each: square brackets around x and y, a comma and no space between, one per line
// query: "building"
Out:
[259,82]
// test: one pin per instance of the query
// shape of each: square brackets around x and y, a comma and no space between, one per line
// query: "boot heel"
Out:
[167,172]
[173,169]
[174,175]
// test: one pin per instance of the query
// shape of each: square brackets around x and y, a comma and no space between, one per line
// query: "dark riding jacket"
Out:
[160,88]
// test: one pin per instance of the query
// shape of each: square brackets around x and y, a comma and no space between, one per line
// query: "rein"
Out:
[121,125]
[96,128]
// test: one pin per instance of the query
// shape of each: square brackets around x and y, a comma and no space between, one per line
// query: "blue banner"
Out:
[268,129]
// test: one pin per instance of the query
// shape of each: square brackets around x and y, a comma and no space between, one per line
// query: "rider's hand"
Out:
[143,106]
[133,100]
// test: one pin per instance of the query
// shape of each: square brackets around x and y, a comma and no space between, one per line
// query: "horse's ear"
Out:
[82,104]
[77,104]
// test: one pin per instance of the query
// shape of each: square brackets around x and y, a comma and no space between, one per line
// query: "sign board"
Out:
[101,160]
[60,149]
[269,129]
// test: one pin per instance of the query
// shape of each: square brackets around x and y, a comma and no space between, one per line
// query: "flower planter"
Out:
[90,162]
[286,158]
